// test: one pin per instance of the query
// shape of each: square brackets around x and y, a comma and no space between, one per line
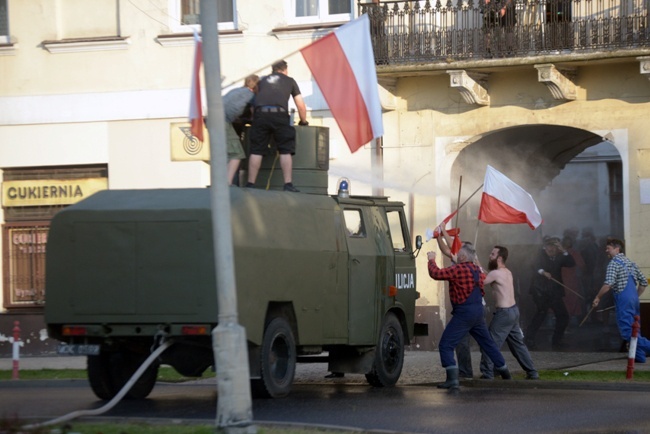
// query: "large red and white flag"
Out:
[504,201]
[196,111]
[343,66]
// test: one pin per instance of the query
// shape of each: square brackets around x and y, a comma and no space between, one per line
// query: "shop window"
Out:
[24,264]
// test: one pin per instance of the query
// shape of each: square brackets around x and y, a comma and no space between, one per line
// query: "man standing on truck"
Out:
[235,104]
[272,121]
[466,294]
[504,326]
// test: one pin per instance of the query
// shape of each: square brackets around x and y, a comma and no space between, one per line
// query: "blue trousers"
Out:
[627,306]
[468,317]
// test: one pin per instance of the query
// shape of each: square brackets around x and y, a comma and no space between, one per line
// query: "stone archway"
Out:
[568,171]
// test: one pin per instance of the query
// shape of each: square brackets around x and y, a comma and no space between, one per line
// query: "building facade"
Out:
[555,94]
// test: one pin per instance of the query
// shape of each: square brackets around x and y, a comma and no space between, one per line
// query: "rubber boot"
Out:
[504,372]
[452,378]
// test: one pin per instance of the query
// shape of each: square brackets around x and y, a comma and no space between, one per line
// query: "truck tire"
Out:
[389,354]
[123,366]
[109,372]
[277,361]
[99,376]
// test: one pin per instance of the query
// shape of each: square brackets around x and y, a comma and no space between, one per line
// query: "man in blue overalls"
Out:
[628,283]
[466,295]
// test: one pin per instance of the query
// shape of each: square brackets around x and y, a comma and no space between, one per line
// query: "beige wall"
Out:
[114,107]
[435,124]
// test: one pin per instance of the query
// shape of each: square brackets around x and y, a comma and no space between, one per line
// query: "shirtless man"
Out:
[505,323]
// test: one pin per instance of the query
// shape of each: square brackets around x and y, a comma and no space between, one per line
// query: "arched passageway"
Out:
[575,177]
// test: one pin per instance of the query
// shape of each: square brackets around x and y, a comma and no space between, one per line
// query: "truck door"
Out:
[405,276]
[367,245]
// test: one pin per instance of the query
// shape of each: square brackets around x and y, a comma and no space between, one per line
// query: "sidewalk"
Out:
[592,348]
[419,366]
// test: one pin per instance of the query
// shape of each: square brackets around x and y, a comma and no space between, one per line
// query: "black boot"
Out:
[504,372]
[452,378]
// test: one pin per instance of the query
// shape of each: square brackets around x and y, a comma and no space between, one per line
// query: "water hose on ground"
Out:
[117,398]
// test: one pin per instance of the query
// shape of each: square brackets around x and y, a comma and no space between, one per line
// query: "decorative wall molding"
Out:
[558,80]
[471,85]
[644,66]
[77,45]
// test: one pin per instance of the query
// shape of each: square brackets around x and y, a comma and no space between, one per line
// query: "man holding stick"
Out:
[504,326]
[628,283]
[548,291]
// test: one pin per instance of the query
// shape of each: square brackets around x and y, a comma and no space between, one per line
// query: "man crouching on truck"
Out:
[465,292]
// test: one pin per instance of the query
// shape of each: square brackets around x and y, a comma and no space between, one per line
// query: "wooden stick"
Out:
[587,316]
[560,283]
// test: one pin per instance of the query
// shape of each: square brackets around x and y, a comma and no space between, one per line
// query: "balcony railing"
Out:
[422,31]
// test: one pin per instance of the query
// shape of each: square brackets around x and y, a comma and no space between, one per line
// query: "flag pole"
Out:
[460,187]
[470,196]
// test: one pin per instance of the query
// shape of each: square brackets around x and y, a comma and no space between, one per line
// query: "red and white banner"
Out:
[343,66]
[196,110]
[504,201]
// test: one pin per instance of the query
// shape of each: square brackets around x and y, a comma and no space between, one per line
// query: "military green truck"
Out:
[319,278]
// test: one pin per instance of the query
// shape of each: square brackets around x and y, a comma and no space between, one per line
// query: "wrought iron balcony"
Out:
[408,31]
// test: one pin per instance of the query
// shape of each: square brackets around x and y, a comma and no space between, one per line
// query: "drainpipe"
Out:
[377,167]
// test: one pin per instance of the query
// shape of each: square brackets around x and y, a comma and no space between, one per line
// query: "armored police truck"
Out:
[319,279]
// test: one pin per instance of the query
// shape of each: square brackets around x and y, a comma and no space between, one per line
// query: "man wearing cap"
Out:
[548,292]
[272,121]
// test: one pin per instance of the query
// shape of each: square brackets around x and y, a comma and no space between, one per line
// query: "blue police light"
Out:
[344,187]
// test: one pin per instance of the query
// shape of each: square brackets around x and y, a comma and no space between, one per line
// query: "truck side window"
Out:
[396,234]
[354,223]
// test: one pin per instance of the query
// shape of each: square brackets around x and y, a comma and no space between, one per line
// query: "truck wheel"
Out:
[109,372]
[277,361]
[123,366]
[99,376]
[389,354]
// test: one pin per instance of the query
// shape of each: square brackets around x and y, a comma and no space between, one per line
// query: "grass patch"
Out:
[165,374]
[90,428]
[169,375]
[14,426]
[603,376]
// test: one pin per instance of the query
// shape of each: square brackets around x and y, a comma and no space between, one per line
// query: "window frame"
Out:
[176,21]
[322,17]
[37,261]
[5,38]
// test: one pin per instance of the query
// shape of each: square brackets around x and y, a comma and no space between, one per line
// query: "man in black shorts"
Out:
[272,121]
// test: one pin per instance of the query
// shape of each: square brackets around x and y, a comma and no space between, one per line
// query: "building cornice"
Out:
[76,45]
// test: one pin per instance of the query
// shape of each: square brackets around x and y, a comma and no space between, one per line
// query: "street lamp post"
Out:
[234,407]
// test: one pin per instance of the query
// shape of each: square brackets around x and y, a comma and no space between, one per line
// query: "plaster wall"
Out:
[435,124]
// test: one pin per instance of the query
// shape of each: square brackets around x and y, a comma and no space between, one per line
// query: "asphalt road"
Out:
[413,408]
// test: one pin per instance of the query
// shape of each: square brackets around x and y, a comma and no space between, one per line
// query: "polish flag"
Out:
[504,201]
[196,111]
[343,66]
[454,232]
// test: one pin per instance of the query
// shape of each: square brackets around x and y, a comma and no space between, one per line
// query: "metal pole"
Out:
[377,167]
[234,404]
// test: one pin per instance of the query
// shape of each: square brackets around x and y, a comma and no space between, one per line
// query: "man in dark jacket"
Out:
[548,292]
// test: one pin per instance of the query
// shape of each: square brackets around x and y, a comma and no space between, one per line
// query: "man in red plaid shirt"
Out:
[466,294]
